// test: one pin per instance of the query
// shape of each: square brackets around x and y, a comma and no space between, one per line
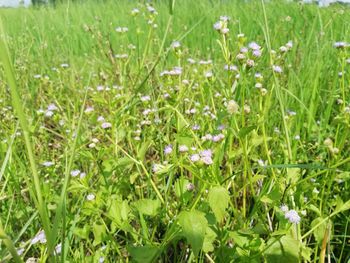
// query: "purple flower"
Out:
[277,69]
[168,149]
[206,153]
[183,148]
[195,157]
[341,44]
[254,46]
[106,125]
[292,216]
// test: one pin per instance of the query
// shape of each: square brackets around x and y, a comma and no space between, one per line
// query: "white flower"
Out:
[52,107]
[195,157]
[58,249]
[176,44]
[183,148]
[48,163]
[106,125]
[90,197]
[89,109]
[40,237]
[75,173]
[292,216]
[277,69]
[168,149]
[49,113]
[232,107]
[284,208]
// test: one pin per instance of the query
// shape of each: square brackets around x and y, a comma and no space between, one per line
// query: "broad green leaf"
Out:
[284,249]
[148,207]
[209,239]
[99,232]
[83,233]
[344,207]
[194,225]
[218,200]
[319,232]
[240,239]
[145,254]
[119,211]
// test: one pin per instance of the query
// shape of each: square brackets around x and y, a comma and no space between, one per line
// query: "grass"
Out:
[129,146]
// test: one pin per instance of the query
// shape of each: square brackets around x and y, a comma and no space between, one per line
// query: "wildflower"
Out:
[277,69]
[58,249]
[292,216]
[89,109]
[196,127]
[195,157]
[183,148]
[341,44]
[254,46]
[191,61]
[244,50]
[348,61]
[65,65]
[122,29]
[20,251]
[190,187]
[151,9]
[257,53]
[48,163]
[218,137]
[40,237]
[106,125]
[262,163]
[75,173]
[101,260]
[328,142]
[49,113]
[240,56]
[100,119]
[284,208]
[135,11]
[90,197]
[258,85]
[297,137]
[168,149]
[289,45]
[176,45]
[32,260]
[208,74]
[283,49]
[250,63]
[206,157]
[52,107]
[232,107]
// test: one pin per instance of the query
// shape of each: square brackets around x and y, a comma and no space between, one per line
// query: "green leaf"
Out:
[144,254]
[218,200]
[245,131]
[209,239]
[319,232]
[99,233]
[148,207]
[194,225]
[344,207]
[119,211]
[240,239]
[284,249]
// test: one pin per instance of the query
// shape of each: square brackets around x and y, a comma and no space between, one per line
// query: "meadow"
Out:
[175,131]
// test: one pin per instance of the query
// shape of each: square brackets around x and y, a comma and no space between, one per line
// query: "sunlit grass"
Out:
[171,132]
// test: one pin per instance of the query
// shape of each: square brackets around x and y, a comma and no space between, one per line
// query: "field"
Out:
[175,131]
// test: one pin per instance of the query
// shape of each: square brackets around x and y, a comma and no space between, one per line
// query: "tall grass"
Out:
[137,201]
